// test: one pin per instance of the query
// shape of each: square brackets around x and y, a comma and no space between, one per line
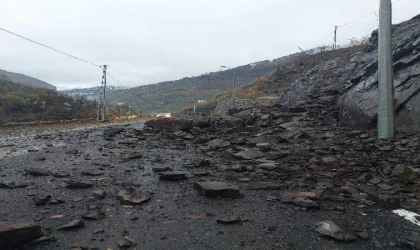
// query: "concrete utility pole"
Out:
[386,112]
[102,98]
[335,38]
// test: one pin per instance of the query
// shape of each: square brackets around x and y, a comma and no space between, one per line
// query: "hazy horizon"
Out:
[152,41]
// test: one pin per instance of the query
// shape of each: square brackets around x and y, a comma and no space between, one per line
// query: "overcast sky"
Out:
[148,41]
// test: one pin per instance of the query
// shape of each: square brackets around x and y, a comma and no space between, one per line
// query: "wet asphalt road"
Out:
[176,217]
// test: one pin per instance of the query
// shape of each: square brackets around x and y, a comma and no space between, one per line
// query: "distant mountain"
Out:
[174,95]
[21,78]
[91,93]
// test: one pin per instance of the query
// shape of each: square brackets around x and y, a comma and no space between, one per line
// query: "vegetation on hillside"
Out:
[174,95]
[287,72]
[21,102]
[21,78]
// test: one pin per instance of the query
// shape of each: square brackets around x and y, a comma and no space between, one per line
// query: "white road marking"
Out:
[410,216]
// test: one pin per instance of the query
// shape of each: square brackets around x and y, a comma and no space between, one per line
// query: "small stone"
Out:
[363,235]
[92,173]
[38,172]
[72,152]
[404,173]
[384,186]
[218,143]
[14,233]
[43,240]
[161,169]
[72,225]
[263,185]
[40,158]
[249,155]
[375,180]
[77,247]
[304,202]
[132,196]
[94,215]
[214,189]
[99,194]
[173,175]
[61,175]
[126,243]
[336,229]
[16,184]
[98,231]
[297,109]
[229,220]
[204,164]
[78,184]
[41,200]
[110,132]
[130,156]
[330,162]
[270,166]
[77,199]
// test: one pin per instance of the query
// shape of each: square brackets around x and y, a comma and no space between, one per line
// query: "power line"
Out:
[370,13]
[352,21]
[322,39]
[115,79]
[48,47]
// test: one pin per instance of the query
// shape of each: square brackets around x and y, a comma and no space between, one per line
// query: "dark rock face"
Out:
[351,82]
[13,234]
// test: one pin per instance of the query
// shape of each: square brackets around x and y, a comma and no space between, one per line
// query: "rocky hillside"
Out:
[21,78]
[91,93]
[350,81]
[173,95]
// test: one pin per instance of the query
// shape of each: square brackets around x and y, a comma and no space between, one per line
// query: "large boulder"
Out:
[13,234]
[359,106]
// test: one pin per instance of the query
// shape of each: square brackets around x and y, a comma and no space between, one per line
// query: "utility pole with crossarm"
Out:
[102,97]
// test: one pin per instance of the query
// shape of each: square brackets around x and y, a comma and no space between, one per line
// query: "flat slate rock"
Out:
[94,215]
[218,143]
[214,189]
[229,220]
[304,202]
[130,156]
[161,169]
[249,155]
[263,186]
[92,173]
[132,196]
[99,194]
[38,171]
[16,184]
[78,184]
[173,175]
[72,225]
[16,233]
[112,131]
